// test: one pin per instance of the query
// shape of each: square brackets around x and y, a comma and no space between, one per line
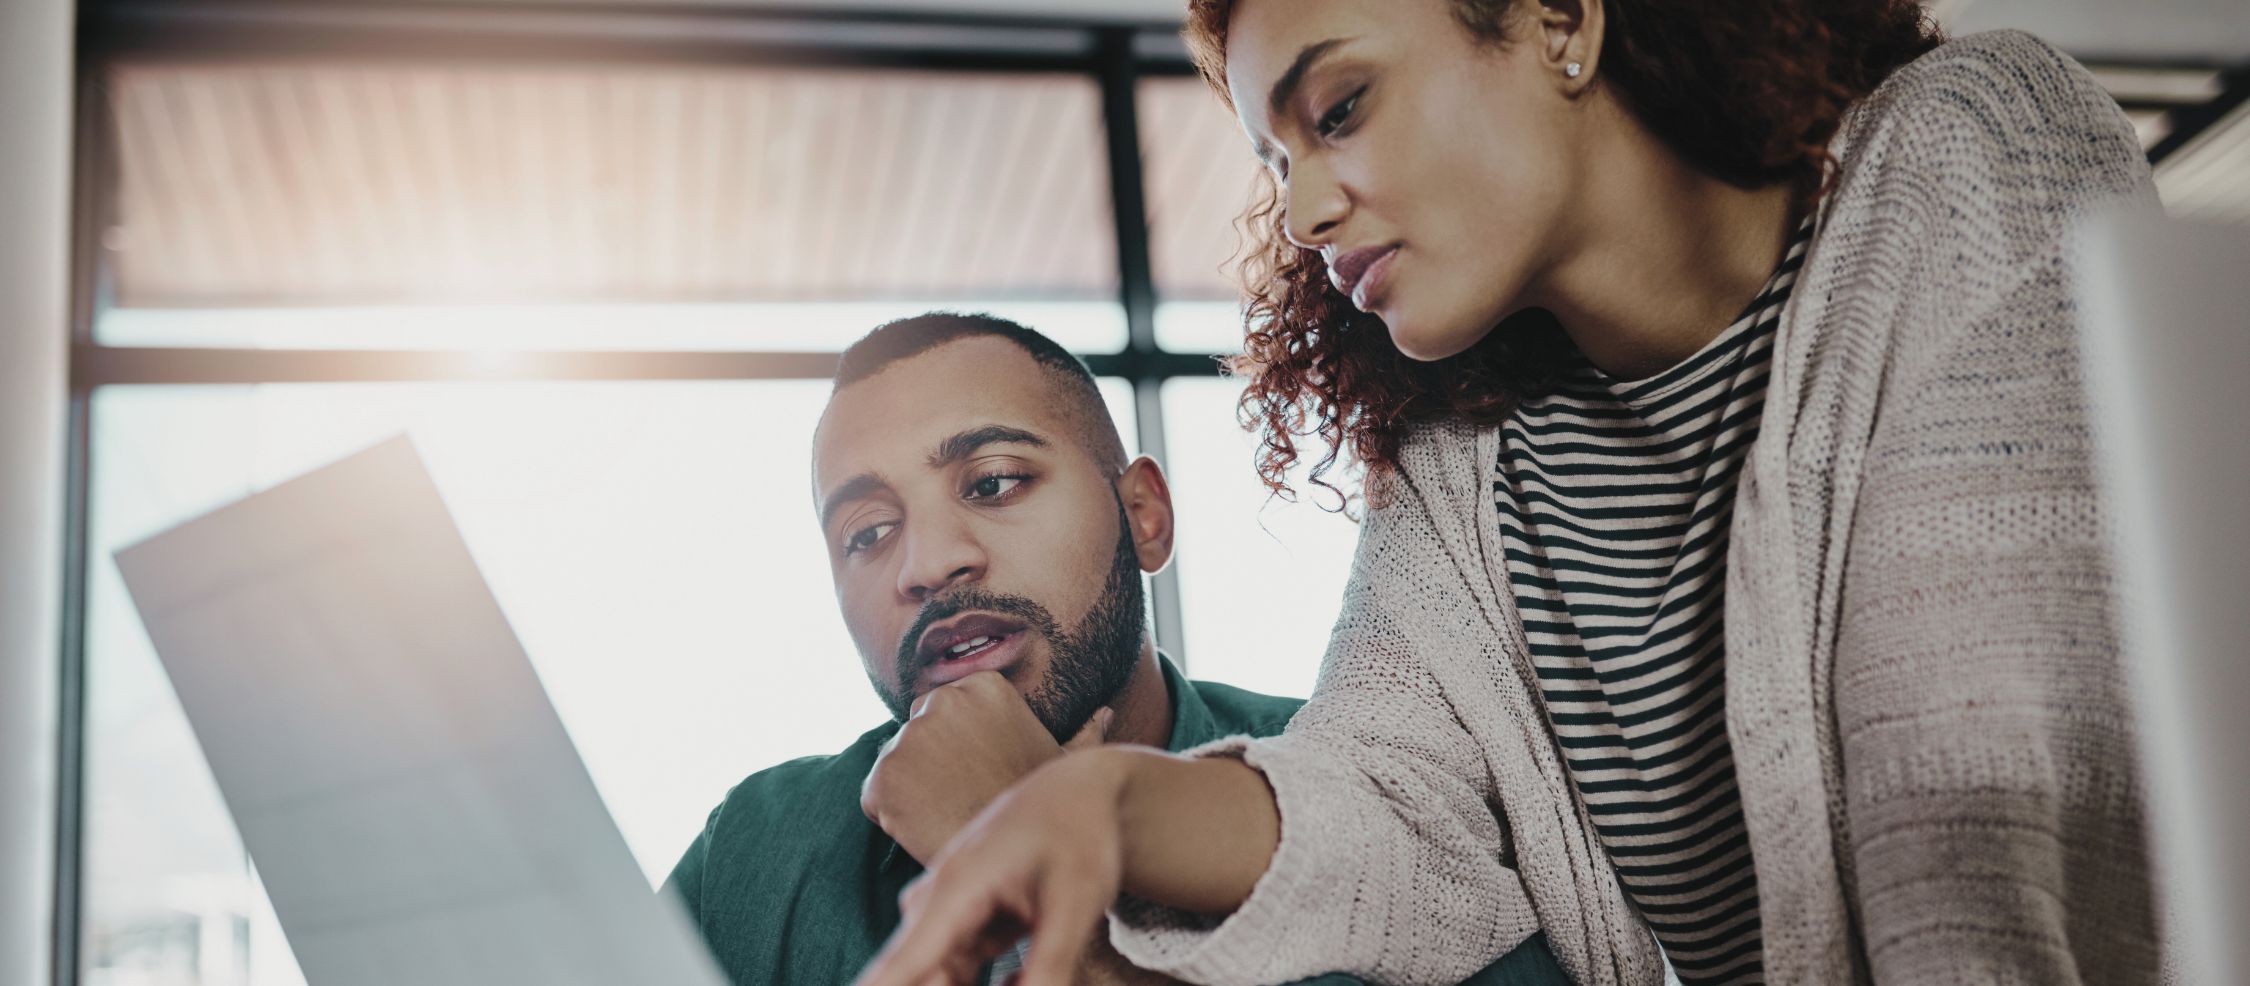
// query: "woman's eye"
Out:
[865,538]
[1339,114]
[989,487]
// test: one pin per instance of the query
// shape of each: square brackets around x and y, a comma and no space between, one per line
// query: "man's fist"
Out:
[960,748]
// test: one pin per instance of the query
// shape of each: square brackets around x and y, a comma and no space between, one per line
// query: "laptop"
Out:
[407,792]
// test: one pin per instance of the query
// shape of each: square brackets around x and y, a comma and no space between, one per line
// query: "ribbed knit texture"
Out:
[1615,501]
[1929,721]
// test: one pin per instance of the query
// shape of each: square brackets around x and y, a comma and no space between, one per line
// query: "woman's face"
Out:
[1431,169]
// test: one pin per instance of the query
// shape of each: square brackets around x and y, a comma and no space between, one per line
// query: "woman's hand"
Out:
[1046,859]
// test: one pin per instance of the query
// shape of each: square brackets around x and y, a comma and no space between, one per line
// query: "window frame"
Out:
[1116,54]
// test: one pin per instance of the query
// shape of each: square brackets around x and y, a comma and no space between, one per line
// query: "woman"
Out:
[1731,591]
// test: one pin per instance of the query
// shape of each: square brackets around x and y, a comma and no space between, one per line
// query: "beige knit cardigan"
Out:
[1924,692]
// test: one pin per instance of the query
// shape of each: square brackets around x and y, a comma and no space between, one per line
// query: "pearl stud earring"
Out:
[1573,69]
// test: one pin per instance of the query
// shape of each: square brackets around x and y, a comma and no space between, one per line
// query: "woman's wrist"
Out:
[1195,833]
[1107,774]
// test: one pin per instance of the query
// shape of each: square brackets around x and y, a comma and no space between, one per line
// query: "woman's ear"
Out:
[1570,40]
[1147,499]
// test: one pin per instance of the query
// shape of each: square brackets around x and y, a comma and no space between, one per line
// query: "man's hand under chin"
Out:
[962,746]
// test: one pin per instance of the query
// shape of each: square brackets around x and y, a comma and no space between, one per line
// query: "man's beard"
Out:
[1090,663]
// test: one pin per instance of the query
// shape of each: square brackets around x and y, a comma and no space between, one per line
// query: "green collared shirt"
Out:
[790,884]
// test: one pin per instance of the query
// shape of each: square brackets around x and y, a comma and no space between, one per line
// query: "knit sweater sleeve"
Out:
[1391,861]
[1995,833]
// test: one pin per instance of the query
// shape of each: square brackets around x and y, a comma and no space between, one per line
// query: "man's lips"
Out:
[1357,273]
[995,653]
[966,635]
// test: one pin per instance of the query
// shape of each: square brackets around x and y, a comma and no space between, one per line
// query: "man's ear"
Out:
[1147,497]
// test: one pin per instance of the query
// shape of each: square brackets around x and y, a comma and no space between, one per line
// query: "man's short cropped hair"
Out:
[909,337]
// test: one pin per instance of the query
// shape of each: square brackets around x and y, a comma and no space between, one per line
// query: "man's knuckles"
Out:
[871,796]
[892,768]
[980,696]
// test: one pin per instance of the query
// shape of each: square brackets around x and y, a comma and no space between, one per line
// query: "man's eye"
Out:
[865,538]
[1339,114]
[991,487]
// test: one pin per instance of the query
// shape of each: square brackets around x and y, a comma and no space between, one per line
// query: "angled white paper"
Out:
[411,800]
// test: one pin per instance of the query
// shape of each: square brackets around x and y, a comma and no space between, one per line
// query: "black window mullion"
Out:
[1136,285]
[93,215]
[70,775]
[2190,122]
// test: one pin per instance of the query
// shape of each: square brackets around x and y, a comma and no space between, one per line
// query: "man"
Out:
[987,537]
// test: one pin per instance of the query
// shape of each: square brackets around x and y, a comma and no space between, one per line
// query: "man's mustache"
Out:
[968,599]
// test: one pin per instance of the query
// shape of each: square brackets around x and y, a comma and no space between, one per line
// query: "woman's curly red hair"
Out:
[1748,91]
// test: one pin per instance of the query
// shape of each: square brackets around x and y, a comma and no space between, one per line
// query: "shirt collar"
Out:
[1192,723]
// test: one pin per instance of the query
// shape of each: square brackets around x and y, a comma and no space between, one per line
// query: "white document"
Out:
[411,800]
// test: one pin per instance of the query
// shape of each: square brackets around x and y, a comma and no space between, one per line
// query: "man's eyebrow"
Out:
[948,452]
[1284,90]
[966,444]
[864,484]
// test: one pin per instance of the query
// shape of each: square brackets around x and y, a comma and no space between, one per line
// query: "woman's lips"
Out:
[1359,274]
[1371,282]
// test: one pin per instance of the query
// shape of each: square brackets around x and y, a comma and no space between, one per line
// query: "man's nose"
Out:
[939,554]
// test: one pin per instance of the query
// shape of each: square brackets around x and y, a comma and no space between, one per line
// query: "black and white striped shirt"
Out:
[1614,502]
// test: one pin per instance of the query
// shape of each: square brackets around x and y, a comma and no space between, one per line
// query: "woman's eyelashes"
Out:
[1339,116]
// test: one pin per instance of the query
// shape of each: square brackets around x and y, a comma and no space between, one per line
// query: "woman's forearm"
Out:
[1197,833]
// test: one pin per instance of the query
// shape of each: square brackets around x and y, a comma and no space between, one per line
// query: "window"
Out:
[1260,577]
[400,187]
[652,545]
[1201,177]
[303,254]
